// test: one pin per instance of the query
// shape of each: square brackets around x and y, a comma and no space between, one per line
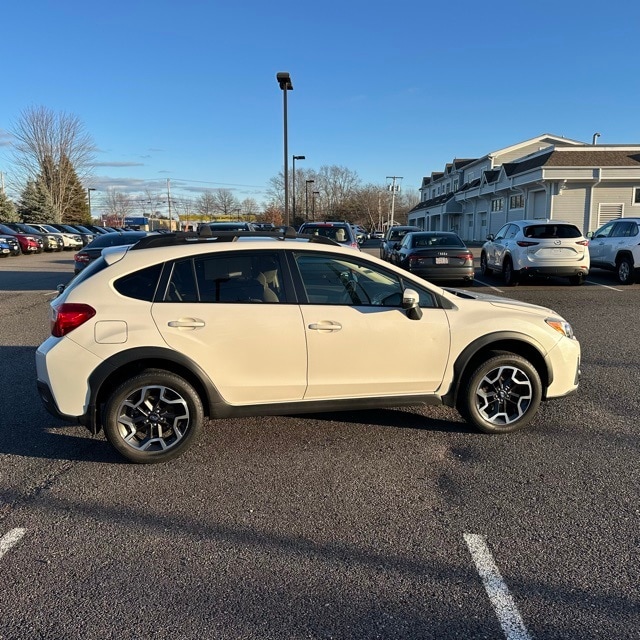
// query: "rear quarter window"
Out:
[140,285]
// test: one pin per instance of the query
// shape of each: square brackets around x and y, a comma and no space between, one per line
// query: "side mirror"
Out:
[491,237]
[411,302]
[591,234]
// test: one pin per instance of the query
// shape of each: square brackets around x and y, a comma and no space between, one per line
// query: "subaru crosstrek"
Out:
[150,340]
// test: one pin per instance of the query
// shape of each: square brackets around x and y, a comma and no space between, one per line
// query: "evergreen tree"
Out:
[8,212]
[35,204]
[76,210]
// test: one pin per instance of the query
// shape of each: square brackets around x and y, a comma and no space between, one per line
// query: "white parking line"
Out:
[485,284]
[9,539]
[606,286]
[496,589]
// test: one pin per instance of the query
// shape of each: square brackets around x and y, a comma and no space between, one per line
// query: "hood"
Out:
[498,301]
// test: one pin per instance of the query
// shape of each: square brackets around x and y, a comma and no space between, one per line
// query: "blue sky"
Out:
[187,90]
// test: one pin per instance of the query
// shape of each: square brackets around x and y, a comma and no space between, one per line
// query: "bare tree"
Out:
[55,148]
[249,207]
[206,205]
[118,205]
[225,202]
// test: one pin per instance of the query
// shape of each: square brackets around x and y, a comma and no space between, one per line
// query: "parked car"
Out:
[85,235]
[94,249]
[5,249]
[341,232]
[50,241]
[229,226]
[29,243]
[394,236]
[435,255]
[615,246]
[13,242]
[526,248]
[174,330]
[70,241]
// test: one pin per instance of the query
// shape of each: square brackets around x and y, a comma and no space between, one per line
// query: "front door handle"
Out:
[325,325]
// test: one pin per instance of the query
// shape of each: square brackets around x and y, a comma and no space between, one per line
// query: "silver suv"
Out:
[616,246]
[524,248]
[341,232]
[150,340]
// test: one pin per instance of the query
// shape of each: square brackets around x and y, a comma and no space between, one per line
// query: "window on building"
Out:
[447,188]
[497,204]
[516,202]
[455,184]
[636,196]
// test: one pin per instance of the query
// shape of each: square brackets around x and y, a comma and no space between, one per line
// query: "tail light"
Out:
[465,256]
[584,243]
[525,243]
[69,316]
[81,257]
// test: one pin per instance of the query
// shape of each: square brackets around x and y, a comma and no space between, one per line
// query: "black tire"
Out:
[154,416]
[577,280]
[484,267]
[624,270]
[509,275]
[502,395]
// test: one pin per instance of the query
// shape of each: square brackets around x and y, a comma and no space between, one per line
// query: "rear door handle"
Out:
[325,325]
[187,323]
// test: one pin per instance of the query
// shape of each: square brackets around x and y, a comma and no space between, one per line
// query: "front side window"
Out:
[335,280]
[502,232]
[605,231]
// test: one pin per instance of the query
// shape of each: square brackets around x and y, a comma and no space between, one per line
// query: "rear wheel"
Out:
[153,417]
[502,395]
[624,270]
[577,280]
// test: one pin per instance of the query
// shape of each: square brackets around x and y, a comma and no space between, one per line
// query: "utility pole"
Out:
[1,183]
[169,203]
[393,188]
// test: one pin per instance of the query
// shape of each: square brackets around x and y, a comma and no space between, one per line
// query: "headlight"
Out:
[561,326]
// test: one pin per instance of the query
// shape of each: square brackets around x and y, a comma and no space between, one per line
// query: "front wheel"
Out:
[502,395]
[153,417]
[509,275]
[624,271]
[484,267]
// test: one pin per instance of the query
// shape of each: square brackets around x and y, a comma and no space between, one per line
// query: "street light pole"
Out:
[293,186]
[284,81]
[306,198]
[313,205]
[89,190]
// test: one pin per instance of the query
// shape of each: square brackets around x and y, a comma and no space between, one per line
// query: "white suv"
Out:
[151,340]
[525,248]
[616,246]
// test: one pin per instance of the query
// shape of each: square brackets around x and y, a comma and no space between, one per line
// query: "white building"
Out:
[544,177]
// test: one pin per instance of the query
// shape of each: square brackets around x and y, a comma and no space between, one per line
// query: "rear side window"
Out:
[140,285]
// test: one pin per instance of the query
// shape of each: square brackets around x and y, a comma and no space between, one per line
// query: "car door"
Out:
[347,303]
[496,251]
[599,246]
[229,313]
[618,240]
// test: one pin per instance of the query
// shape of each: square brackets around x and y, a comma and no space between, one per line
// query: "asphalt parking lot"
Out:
[399,523]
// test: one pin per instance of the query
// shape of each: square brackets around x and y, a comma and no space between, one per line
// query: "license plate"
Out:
[442,260]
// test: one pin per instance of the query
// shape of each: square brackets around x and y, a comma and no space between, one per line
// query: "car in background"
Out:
[85,235]
[29,242]
[529,248]
[228,226]
[341,232]
[5,249]
[615,246]
[378,234]
[394,237]
[13,242]
[152,340]
[50,241]
[435,255]
[70,241]
[93,250]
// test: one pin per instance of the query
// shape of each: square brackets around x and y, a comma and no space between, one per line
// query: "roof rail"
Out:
[206,235]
